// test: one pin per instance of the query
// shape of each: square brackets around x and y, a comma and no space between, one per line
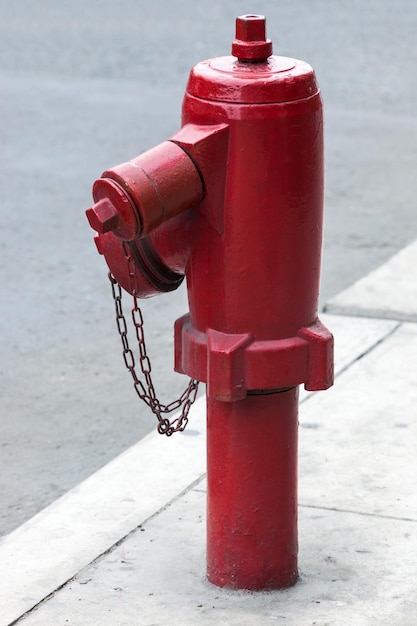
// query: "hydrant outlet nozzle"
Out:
[134,198]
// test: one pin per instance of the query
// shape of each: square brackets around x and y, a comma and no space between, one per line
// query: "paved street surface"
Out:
[127,546]
[85,85]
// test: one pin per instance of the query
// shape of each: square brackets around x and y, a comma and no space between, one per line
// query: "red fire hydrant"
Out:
[234,202]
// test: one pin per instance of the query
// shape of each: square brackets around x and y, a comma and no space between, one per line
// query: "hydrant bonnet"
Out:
[255,76]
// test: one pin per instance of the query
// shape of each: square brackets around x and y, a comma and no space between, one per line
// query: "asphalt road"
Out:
[85,85]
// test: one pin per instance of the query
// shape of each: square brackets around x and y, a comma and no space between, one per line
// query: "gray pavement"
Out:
[127,546]
[87,85]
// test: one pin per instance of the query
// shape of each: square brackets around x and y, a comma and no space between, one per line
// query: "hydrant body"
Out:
[244,224]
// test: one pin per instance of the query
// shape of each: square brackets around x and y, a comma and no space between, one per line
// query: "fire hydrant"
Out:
[234,202]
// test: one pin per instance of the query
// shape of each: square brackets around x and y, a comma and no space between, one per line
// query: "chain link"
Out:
[145,388]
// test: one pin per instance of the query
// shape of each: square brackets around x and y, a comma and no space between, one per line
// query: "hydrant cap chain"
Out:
[252,75]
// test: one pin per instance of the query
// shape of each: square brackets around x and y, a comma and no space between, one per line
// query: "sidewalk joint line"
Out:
[44,600]
[363,513]
[359,357]
[371,348]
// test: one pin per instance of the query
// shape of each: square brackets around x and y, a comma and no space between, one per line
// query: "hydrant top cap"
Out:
[252,75]
[279,79]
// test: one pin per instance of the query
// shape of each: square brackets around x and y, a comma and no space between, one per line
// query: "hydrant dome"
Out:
[278,79]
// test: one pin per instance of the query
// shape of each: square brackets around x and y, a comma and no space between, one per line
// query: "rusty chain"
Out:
[145,389]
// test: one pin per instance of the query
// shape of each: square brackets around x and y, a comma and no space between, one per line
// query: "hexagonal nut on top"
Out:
[251,44]
[103,216]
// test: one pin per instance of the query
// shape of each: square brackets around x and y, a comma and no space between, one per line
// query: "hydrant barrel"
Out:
[265,274]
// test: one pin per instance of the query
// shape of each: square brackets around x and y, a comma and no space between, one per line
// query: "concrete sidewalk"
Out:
[127,546]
